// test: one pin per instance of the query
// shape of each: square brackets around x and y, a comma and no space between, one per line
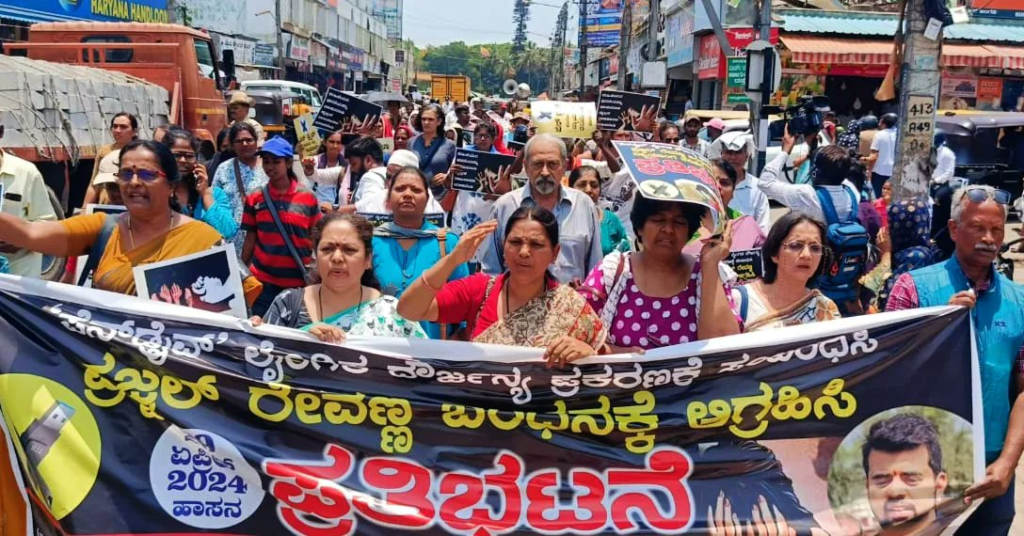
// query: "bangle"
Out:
[423,277]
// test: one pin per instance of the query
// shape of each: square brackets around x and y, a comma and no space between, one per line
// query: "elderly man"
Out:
[238,112]
[977,226]
[579,232]
[735,148]
[25,196]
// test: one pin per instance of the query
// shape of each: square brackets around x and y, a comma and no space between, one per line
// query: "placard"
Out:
[564,119]
[748,264]
[380,218]
[95,208]
[480,171]
[341,111]
[210,281]
[308,137]
[387,144]
[621,110]
[672,173]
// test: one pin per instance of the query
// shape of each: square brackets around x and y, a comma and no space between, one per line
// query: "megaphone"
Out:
[510,86]
[523,91]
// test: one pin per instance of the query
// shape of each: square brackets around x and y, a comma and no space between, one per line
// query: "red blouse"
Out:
[460,301]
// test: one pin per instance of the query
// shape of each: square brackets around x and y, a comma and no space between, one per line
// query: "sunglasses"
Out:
[979,195]
[798,247]
[144,175]
[670,140]
[188,157]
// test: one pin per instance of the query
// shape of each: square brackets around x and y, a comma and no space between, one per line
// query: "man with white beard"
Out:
[579,232]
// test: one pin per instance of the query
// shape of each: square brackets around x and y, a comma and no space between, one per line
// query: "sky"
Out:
[438,22]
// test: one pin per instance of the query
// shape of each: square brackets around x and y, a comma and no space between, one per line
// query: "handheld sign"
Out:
[671,173]
[620,110]
[480,171]
[564,119]
[209,280]
[387,144]
[380,218]
[748,264]
[92,208]
[308,136]
[341,111]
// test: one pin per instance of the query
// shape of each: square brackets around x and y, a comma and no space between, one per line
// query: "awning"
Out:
[841,51]
[957,55]
[1010,57]
[27,15]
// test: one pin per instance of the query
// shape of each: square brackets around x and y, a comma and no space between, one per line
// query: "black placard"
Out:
[480,171]
[612,105]
[341,111]
[748,264]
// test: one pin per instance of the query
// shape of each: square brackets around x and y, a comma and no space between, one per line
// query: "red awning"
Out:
[957,55]
[813,49]
[1009,57]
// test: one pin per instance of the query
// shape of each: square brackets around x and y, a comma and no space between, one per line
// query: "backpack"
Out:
[848,242]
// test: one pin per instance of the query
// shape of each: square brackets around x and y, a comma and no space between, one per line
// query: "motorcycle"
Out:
[1005,265]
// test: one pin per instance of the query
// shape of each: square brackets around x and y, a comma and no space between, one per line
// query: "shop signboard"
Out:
[997,9]
[959,93]
[299,49]
[604,19]
[679,38]
[737,98]
[736,72]
[264,55]
[708,57]
[990,94]
[90,10]
[711,59]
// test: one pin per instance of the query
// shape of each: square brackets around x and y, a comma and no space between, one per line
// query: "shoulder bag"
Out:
[284,233]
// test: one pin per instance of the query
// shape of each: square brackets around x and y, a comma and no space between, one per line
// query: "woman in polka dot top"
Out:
[660,296]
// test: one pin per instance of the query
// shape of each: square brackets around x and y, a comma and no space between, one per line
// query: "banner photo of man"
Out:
[124,418]
[672,173]
[565,119]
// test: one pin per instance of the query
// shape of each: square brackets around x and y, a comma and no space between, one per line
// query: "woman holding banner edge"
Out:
[525,306]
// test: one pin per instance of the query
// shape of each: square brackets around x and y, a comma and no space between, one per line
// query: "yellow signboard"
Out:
[308,136]
[564,119]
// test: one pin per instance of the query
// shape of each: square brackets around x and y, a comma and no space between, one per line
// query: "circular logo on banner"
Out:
[201,479]
[58,438]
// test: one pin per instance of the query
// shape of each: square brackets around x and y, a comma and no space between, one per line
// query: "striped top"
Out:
[299,212]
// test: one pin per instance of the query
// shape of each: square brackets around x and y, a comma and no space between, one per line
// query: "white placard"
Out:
[209,280]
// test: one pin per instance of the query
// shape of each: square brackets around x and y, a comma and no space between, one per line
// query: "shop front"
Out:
[721,78]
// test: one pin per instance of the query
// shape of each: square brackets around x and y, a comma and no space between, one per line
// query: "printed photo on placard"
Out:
[104,209]
[209,281]
[380,218]
[480,171]
[621,110]
[672,173]
[345,112]
[748,264]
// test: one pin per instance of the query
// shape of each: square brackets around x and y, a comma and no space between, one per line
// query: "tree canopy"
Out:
[489,65]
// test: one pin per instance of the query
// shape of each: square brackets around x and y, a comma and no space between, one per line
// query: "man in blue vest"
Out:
[977,225]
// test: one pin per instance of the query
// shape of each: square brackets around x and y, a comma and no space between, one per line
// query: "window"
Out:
[204,59]
[111,55]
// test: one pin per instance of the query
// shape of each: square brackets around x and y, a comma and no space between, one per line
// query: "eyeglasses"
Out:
[144,175]
[798,247]
[977,194]
[245,141]
[188,157]
[670,140]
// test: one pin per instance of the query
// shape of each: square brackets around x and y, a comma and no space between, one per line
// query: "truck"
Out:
[454,86]
[61,88]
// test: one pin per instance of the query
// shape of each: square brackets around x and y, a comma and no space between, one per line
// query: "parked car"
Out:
[307,92]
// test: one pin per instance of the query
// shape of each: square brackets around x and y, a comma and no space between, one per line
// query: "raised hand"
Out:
[471,241]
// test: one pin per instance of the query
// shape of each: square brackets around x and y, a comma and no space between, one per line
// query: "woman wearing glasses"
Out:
[193,193]
[150,231]
[792,257]
[242,174]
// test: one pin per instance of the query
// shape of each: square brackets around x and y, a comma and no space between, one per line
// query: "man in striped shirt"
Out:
[277,257]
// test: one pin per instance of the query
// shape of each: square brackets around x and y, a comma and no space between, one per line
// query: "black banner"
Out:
[619,110]
[134,417]
[342,111]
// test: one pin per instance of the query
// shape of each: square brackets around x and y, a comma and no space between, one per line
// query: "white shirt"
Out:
[885,143]
[946,165]
[702,147]
[25,196]
[617,195]
[803,197]
[370,183]
[748,199]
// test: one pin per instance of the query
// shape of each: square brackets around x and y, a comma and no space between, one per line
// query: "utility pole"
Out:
[918,93]
[653,25]
[625,36]
[761,119]
[583,48]
[280,40]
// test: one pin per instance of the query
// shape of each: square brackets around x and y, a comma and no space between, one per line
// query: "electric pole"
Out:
[280,39]
[583,48]
[625,35]
[761,119]
[918,93]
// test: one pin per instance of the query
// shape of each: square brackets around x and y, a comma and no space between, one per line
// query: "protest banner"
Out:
[93,208]
[672,173]
[307,135]
[345,112]
[748,264]
[620,110]
[564,119]
[209,280]
[126,416]
[480,171]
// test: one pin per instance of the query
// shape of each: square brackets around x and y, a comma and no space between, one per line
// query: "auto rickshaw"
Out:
[275,110]
[989,147]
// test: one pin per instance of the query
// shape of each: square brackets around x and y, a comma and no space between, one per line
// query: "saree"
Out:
[556,312]
[814,307]
[375,318]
